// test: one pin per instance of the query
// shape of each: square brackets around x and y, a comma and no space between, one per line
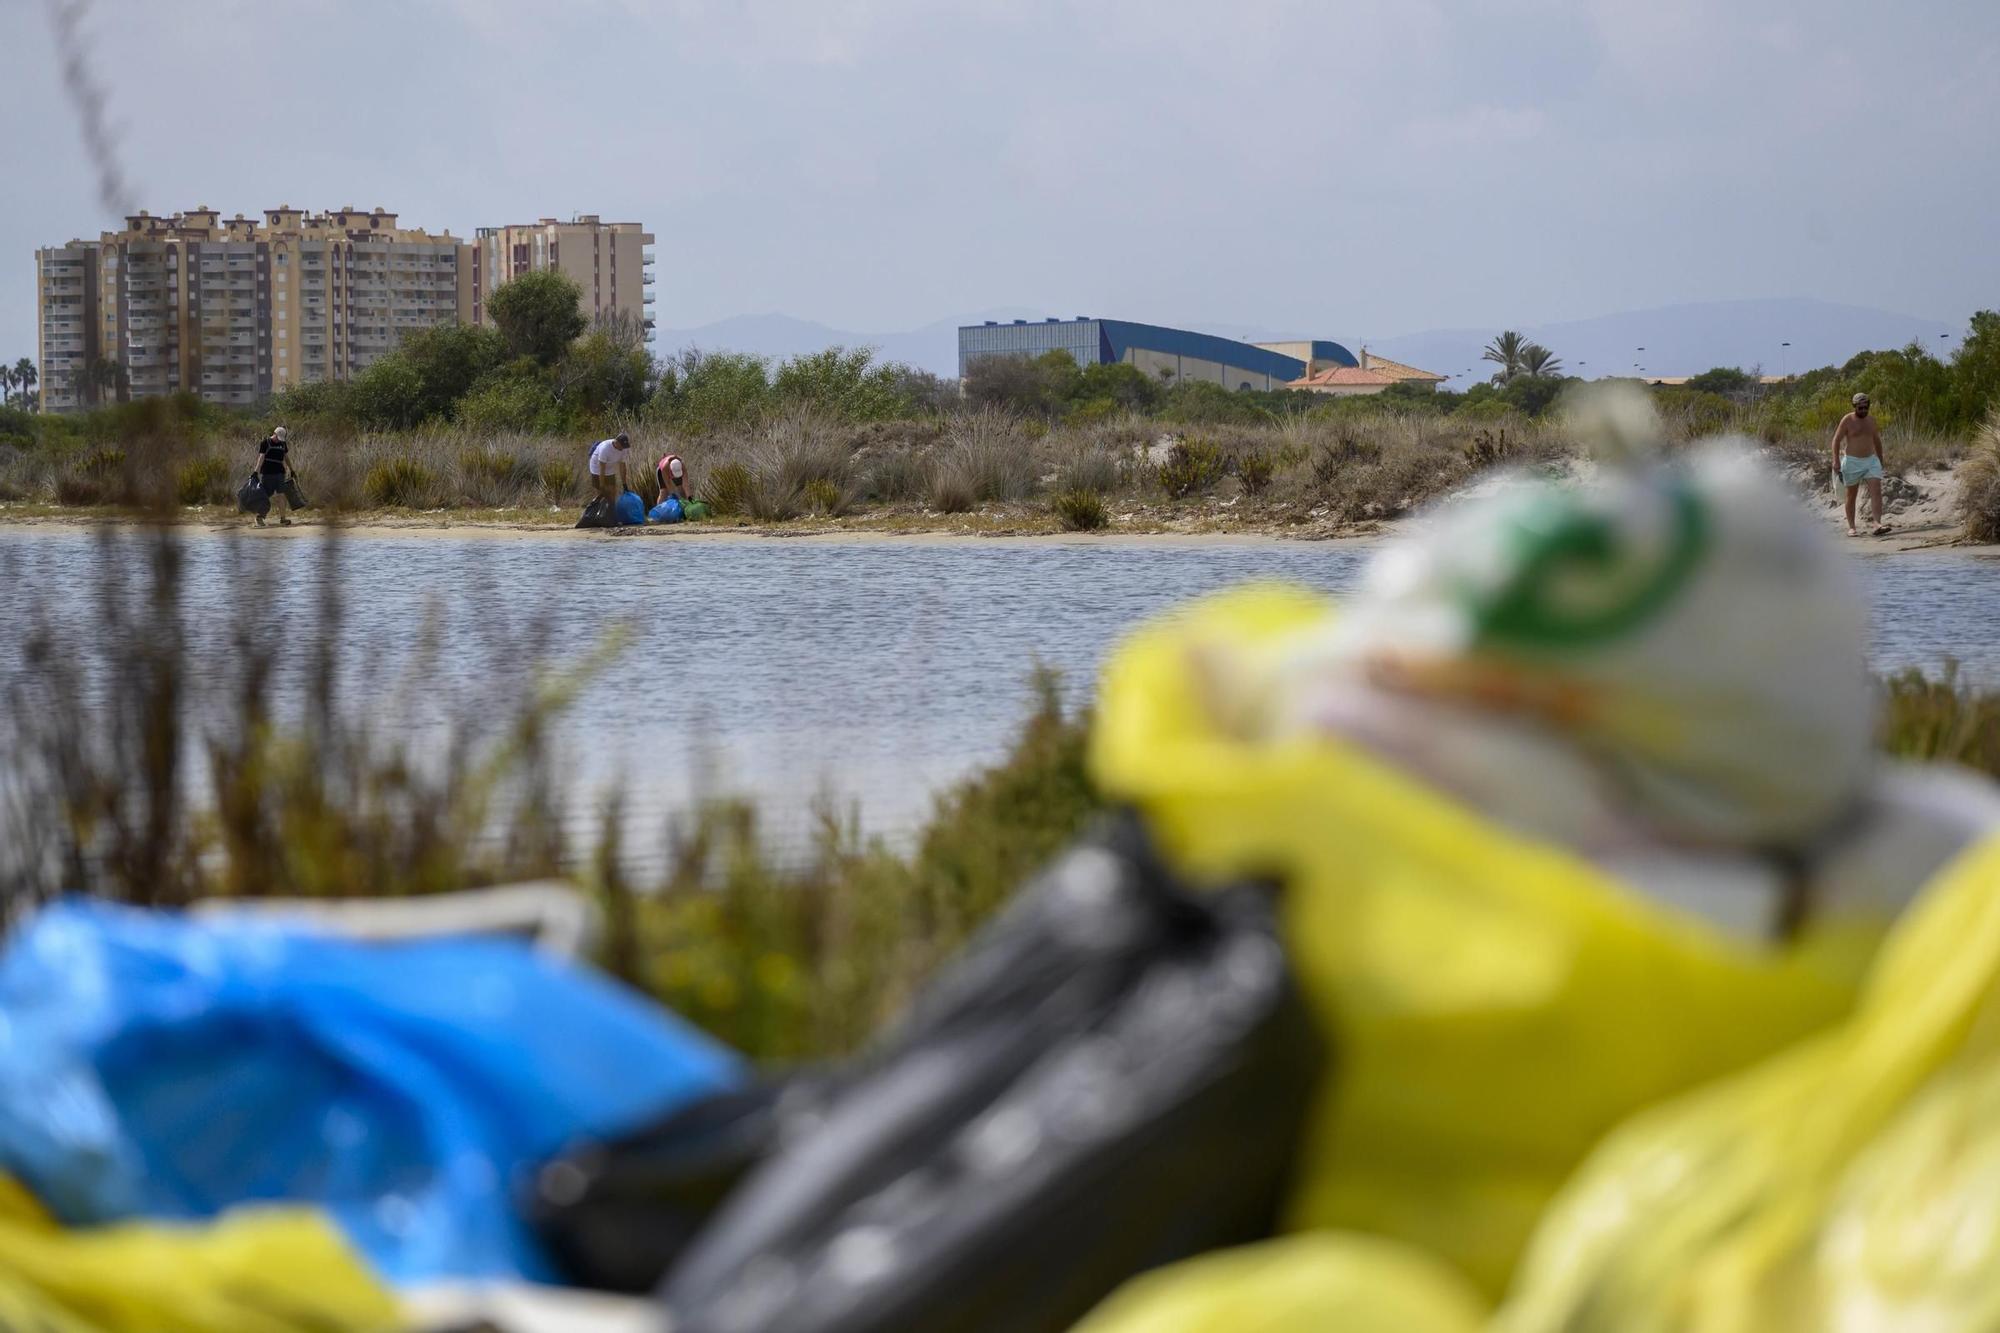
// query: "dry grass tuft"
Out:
[1979,484]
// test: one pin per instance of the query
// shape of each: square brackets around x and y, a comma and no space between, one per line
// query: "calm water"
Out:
[876,670]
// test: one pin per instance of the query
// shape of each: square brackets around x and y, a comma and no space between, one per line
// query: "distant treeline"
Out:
[547,369]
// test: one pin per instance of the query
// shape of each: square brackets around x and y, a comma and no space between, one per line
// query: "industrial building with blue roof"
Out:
[1174,354]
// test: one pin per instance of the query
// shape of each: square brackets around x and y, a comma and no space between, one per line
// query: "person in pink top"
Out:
[673,478]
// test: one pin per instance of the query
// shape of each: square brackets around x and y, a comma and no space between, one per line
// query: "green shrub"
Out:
[1193,465]
[824,497]
[842,383]
[1080,511]
[17,426]
[1483,409]
[511,403]
[400,483]
[1255,470]
[538,314]
[560,479]
[205,481]
[705,391]
[731,487]
[76,488]
[1928,718]
[1330,466]
[96,478]
[1093,411]
[493,478]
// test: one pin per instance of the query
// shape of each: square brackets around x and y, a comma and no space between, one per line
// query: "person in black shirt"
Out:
[274,465]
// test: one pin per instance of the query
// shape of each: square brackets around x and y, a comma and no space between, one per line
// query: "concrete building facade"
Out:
[235,309]
[1317,353]
[66,321]
[1174,355]
[609,261]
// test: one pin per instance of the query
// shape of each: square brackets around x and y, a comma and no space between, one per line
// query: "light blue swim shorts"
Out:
[1854,471]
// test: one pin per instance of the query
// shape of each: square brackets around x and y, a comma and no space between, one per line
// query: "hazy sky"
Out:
[1320,165]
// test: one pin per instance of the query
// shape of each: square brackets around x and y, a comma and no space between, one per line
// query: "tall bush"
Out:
[539,314]
[842,383]
[705,391]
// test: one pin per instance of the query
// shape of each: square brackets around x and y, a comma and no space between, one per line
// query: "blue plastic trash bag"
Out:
[666,511]
[630,508]
[159,1066]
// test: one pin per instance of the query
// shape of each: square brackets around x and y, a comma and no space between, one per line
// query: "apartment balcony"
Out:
[646,279]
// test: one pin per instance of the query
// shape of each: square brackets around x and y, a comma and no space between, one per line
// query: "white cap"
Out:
[281,434]
[1861,400]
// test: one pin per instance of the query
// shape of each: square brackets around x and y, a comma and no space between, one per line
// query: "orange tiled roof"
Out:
[1346,375]
[1379,373]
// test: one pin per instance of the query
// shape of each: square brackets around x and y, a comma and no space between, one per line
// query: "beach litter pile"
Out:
[1533,942]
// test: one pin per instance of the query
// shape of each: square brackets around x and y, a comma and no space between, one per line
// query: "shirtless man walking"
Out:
[1857,460]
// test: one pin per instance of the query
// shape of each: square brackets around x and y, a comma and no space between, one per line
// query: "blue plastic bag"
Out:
[159,1066]
[666,511]
[630,508]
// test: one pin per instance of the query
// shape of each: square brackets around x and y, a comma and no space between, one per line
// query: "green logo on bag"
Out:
[1583,578]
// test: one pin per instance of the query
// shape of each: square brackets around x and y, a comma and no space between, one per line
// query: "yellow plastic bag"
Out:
[1320,1282]
[1853,1183]
[252,1271]
[1496,1003]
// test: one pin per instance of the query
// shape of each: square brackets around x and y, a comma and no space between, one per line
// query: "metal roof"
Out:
[1122,335]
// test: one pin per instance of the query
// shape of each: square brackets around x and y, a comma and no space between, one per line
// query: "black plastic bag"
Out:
[293,495]
[615,1215]
[1112,1077]
[596,514]
[251,499]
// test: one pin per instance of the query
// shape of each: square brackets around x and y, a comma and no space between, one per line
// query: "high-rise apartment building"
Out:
[608,260]
[234,309]
[65,320]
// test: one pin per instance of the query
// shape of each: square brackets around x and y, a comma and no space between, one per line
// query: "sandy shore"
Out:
[370,528]
[1922,514]
[1003,526]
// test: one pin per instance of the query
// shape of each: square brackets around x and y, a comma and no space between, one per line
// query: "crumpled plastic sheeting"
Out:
[263,1270]
[1853,1183]
[157,1066]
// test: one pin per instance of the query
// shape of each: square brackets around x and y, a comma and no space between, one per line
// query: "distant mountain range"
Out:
[1668,340]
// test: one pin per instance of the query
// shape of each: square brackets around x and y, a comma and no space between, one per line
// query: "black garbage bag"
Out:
[615,1215]
[597,514]
[251,499]
[1113,1076]
[293,495]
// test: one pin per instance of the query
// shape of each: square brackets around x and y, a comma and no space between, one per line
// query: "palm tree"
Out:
[1506,351]
[1537,361]
[6,385]
[26,376]
[103,377]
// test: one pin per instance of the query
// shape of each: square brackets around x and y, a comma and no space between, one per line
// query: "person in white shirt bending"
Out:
[607,469]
